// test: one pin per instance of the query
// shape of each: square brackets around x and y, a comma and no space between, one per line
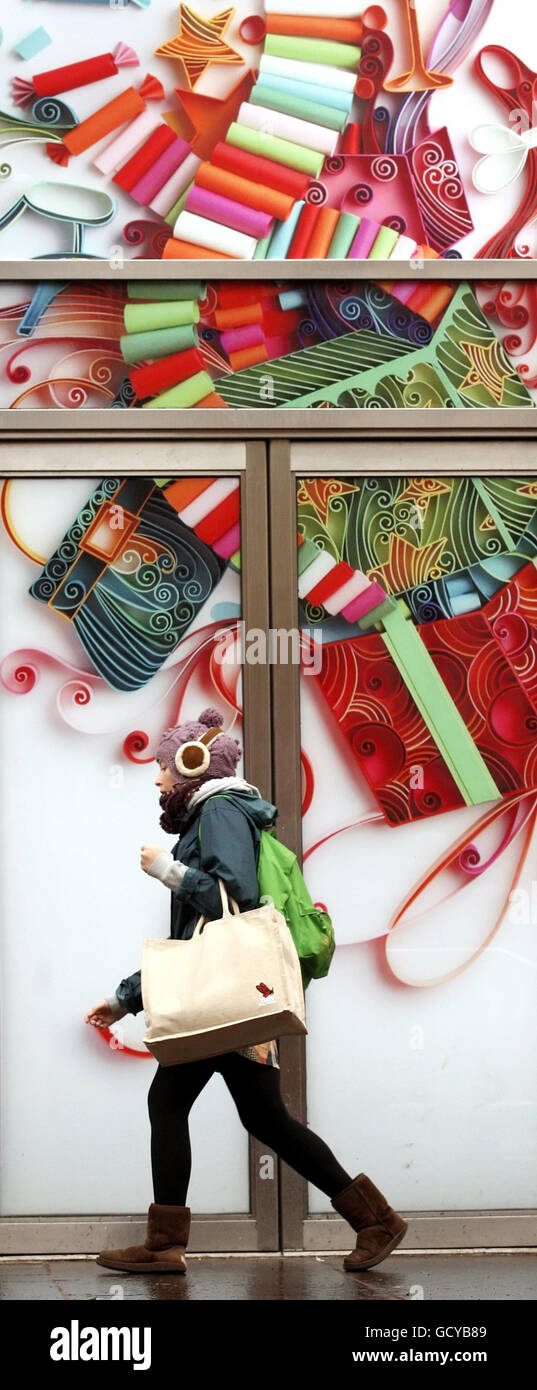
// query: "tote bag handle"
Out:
[225,909]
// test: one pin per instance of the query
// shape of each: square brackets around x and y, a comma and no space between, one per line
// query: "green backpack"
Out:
[281,882]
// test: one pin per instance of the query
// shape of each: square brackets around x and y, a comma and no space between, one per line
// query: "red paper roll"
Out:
[260,170]
[278,321]
[49,84]
[303,231]
[231,296]
[160,376]
[144,158]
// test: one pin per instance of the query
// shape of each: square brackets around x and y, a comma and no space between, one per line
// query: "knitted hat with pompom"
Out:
[224,751]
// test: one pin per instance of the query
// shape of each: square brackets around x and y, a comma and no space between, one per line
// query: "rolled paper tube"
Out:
[166,289]
[159,173]
[326,76]
[215,236]
[130,174]
[231,294]
[241,314]
[316,27]
[260,253]
[325,96]
[304,228]
[292,299]
[404,249]
[337,55]
[464,603]
[253,28]
[351,142]
[145,318]
[383,244]
[265,171]
[322,234]
[123,108]
[271,147]
[212,402]
[331,583]
[247,336]
[184,395]
[49,84]
[228,544]
[427,253]
[340,9]
[248,357]
[172,215]
[232,214]
[283,233]
[280,321]
[150,381]
[124,144]
[137,347]
[253,195]
[349,590]
[170,193]
[430,300]
[364,239]
[176,250]
[307,133]
[364,603]
[344,234]
[295,106]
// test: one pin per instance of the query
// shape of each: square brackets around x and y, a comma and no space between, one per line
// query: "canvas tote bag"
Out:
[237,981]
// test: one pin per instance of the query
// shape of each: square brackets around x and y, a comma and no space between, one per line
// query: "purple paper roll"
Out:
[226,210]
[237,338]
[363,241]
[160,171]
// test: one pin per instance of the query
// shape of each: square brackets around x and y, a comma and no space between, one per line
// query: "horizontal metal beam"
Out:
[93,269]
[266,424]
[443,1230]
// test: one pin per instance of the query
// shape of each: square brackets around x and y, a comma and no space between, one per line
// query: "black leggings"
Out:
[255,1088]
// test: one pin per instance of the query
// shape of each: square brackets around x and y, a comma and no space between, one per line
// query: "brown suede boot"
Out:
[379,1227]
[168,1229]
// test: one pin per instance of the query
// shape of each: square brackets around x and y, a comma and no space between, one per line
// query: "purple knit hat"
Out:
[224,751]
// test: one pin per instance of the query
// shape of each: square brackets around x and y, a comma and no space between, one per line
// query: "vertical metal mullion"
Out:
[255,611]
[287,782]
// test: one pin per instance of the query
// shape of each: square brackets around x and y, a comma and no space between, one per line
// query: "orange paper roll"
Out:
[322,234]
[212,402]
[430,300]
[238,315]
[117,112]
[253,195]
[176,250]
[315,27]
[248,357]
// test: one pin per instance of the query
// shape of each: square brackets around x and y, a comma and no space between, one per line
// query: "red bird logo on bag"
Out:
[264,989]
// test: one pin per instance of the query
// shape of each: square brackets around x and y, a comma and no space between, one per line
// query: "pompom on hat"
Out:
[200,749]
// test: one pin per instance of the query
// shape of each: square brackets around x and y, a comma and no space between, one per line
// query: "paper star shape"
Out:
[408,564]
[203,120]
[489,369]
[199,43]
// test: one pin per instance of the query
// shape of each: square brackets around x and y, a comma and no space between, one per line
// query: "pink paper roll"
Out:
[364,239]
[231,213]
[228,543]
[248,336]
[125,144]
[371,596]
[160,171]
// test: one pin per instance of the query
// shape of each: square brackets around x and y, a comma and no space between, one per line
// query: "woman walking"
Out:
[196,762]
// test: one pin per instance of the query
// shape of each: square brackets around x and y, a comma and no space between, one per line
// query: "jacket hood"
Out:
[243,794]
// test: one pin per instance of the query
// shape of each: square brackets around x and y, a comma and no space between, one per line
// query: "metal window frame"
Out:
[302,1230]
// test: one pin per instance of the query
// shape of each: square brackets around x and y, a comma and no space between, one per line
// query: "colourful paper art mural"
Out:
[300,131]
[228,345]
[424,595]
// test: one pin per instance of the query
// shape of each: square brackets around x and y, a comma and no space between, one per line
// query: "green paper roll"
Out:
[273,147]
[260,253]
[144,318]
[185,394]
[346,228]
[383,244]
[172,215]
[137,347]
[166,289]
[336,55]
[296,106]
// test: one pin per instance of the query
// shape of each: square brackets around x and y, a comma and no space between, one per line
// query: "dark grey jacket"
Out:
[228,849]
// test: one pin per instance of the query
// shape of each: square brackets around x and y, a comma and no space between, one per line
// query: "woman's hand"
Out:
[148,854]
[101,1016]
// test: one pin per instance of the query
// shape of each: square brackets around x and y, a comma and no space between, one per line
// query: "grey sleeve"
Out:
[170,871]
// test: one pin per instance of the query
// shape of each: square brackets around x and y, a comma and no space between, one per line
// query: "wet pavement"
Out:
[453,1276]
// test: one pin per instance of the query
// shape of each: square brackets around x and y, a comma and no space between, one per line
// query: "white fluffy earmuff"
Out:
[193,758]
